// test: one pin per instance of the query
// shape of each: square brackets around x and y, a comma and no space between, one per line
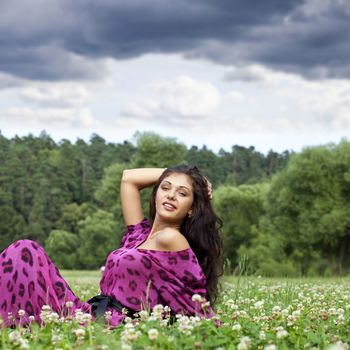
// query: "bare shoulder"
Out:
[172,240]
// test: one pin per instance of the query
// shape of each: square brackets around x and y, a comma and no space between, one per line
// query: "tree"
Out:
[308,210]
[62,248]
[208,162]
[72,214]
[12,225]
[108,192]
[156,151]
[240,209]
[98,235]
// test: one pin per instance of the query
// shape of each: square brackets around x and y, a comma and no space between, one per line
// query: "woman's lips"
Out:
[169,206]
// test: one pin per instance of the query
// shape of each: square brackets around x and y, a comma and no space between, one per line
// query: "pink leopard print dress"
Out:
[137,278]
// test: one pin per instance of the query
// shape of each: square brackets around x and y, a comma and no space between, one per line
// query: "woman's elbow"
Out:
[126,175]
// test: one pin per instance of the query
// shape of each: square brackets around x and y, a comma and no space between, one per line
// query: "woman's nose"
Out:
[171,194]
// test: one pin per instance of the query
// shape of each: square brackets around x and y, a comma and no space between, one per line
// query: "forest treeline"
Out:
[283,213]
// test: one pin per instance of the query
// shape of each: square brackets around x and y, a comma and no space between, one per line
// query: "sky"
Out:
[270,74]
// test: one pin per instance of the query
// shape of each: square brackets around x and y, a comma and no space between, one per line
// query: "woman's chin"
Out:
[170,216]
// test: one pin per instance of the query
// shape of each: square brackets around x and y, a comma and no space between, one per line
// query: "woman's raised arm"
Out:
[133,181]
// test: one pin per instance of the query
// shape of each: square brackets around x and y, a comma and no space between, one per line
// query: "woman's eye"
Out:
[182,194]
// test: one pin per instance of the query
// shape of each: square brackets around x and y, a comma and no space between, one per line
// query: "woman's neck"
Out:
[159,225]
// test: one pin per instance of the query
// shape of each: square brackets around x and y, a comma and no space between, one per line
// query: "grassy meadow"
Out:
[254,313]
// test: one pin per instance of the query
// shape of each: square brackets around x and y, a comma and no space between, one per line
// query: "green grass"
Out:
[82,277]
[255,313]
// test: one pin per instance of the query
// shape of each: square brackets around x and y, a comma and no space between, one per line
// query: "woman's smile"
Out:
[169,206]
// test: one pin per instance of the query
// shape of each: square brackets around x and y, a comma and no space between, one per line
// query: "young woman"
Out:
[165,260]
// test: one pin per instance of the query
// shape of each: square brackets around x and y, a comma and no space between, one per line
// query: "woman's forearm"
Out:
[142,177]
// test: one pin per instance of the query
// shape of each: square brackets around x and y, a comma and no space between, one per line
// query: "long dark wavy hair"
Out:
[201,229]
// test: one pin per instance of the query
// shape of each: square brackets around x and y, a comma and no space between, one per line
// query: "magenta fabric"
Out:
[29,280]
[138,278]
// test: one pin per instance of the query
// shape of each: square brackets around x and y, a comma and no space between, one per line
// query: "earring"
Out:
[190,214]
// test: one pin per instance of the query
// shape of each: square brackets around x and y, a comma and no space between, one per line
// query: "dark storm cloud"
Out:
[64,39]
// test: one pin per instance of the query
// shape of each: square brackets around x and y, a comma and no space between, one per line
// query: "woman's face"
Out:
[174,197]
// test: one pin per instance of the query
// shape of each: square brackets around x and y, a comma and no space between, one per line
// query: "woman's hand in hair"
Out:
[209,188]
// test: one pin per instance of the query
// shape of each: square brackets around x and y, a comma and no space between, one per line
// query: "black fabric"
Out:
[100,303]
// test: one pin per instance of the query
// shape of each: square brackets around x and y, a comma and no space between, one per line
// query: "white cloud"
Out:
[9,81]
[66,117]
[188,100]
[48,104]
[321,104]
[176,101]
[233,96]
[188,97]
[56,94]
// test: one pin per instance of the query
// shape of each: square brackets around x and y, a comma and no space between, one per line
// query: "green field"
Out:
[255,313]
[81,277]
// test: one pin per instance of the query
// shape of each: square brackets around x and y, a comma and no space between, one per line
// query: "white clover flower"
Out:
[184,324]
[69,304]
[80,332]
[128,320]
[244,343]
[53,317]
[285,312]
[164,323]
[108,315]
[157,312]
[130,334]
[46,308]
[86,318]
[56,338]
[14,336]
[21,313]
[205,305]
[102,268]
[143,315]
[126,346]
[270,347]
[158,308]
[167,308]
[129,326]
[332,311]
[259,304]
[243,314]
[47,316]
[195,320]
[16,339]
[296,313]
[340,311]
[236,327]
[281,334]
[339,345]
[23,344]
[153,334]
[81,317]
[31,318]
[196,298]
[262,335]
